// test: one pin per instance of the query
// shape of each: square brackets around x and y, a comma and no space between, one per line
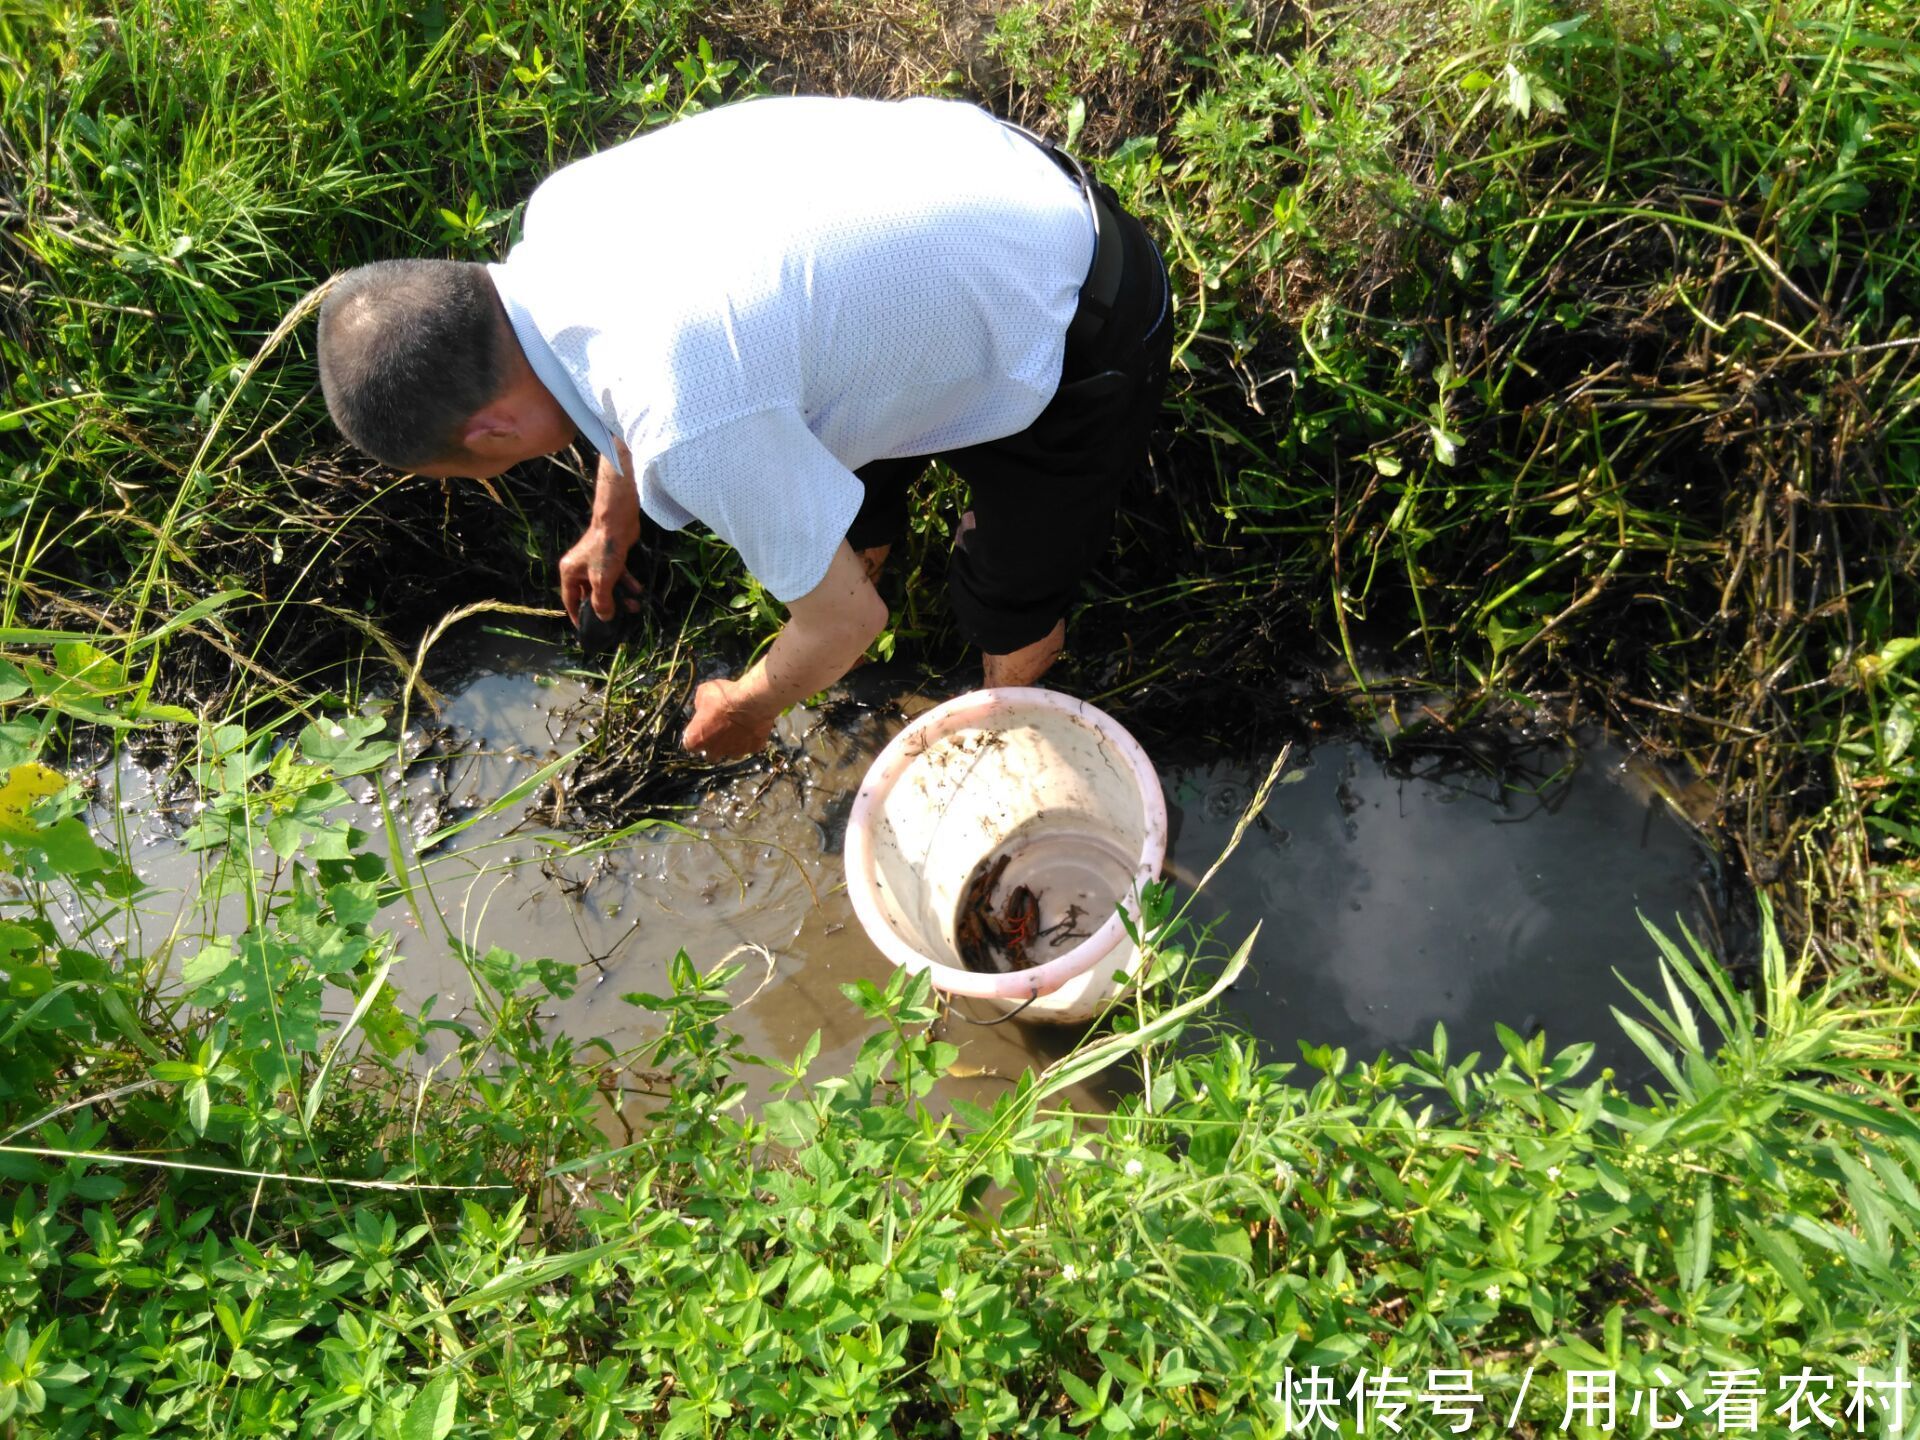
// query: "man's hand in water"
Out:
[595,569]
[826,631]
[726,723]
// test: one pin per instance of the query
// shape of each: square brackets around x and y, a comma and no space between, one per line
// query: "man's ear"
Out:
[488,429]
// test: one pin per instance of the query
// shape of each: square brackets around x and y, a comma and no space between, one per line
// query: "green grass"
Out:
[1567,355]
[214,1232]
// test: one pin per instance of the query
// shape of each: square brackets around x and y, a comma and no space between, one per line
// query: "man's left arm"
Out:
[827,631]
[595,569]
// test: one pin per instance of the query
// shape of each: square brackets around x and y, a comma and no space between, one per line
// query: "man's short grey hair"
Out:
[410,350]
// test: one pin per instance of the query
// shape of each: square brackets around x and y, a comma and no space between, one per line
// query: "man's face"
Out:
[470,467]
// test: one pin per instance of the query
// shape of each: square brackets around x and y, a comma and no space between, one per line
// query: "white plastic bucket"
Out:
[1044,779]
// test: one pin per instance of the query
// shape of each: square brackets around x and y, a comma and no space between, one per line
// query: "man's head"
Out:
[421,370]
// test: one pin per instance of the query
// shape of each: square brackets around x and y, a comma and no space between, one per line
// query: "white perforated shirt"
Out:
[763,298]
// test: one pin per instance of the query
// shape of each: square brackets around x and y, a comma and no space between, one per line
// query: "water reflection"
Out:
[1395,897]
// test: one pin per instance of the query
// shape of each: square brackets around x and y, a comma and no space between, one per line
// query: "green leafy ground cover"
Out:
[1567,352]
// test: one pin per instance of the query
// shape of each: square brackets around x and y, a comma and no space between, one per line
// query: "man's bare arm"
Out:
[827,631]
[596,567]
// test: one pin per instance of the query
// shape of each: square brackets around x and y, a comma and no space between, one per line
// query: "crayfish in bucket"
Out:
[994,942]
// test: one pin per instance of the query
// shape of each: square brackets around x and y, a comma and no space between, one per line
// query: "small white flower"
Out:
[1068,1273]
[1282,1173]
[1134,1167]
[1553,1172]
[1493,1293]
[948,1293]
[335,732]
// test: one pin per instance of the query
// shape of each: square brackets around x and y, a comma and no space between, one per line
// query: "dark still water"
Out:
[1395,895]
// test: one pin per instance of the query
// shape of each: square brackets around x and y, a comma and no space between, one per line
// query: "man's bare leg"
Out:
[1026,665]
[872,561]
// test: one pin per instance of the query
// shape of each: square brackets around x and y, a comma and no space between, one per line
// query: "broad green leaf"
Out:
[72,851]
[1515,1047]
[209,965]
[18,939]
[341,745]
[283,834]
[431,1415]
[92,666]
[355,902]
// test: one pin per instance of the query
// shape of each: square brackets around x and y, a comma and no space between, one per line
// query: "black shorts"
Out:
[1043,499]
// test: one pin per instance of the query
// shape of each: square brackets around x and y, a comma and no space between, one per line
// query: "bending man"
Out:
[768,318]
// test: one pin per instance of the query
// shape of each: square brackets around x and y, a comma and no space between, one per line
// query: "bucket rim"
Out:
[971,710]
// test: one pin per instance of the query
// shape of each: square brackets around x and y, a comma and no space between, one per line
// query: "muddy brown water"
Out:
[1393,894]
